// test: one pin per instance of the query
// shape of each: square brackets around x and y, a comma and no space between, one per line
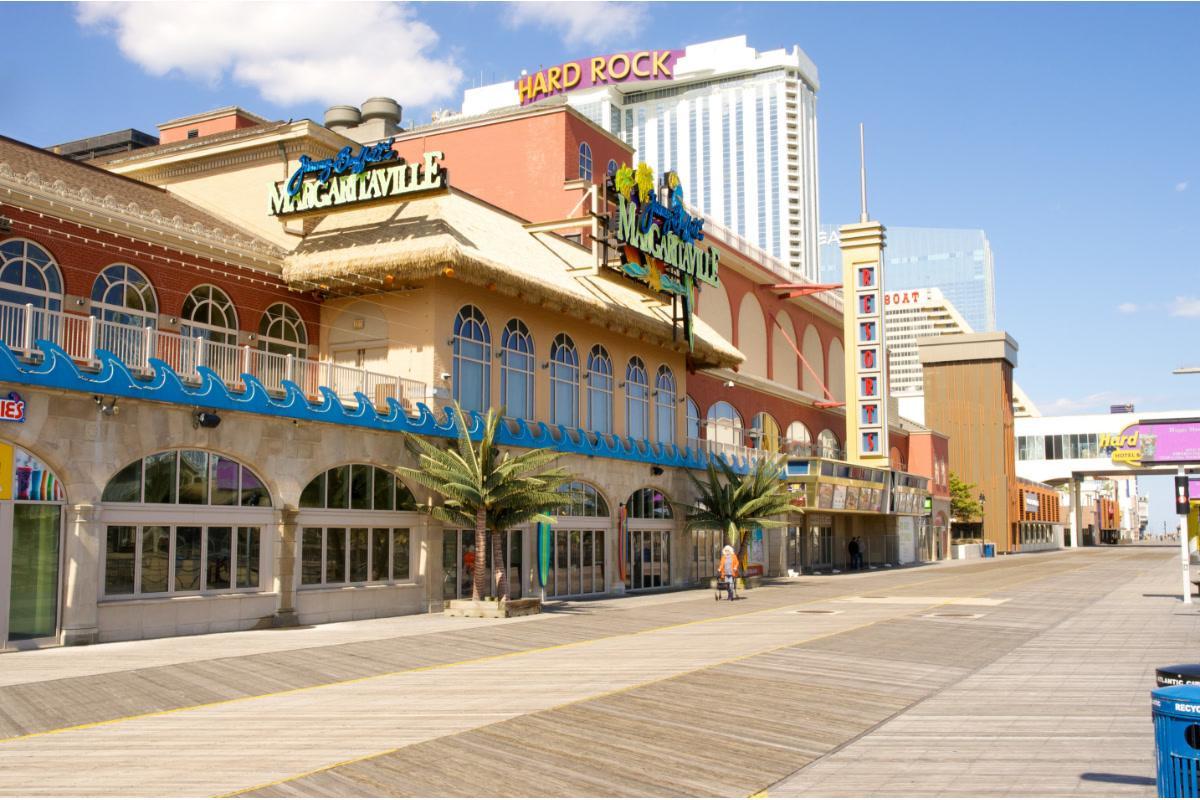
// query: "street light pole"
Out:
[983,518]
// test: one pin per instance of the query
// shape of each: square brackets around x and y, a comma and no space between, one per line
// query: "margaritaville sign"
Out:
[660,242]
[374,173]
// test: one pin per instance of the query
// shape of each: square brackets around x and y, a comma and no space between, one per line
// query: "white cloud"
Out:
[1185,307]
[1128,308]
[1181,186]
[582,23]
[290,52]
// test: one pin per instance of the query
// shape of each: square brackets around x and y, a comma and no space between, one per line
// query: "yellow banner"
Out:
[6,471]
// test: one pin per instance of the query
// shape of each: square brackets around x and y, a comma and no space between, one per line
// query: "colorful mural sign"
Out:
[1166,442]
[638,65]
[12,408]
[344,181]
[659,241]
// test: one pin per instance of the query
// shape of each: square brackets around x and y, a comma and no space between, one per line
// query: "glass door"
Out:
[649,559]
[33,592]
[458,564]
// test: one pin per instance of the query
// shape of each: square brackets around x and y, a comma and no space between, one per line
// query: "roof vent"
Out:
[384,108]
[341,117]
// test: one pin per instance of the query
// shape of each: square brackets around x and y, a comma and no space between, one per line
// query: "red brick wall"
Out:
[82,252]
[178,133]
[519,164]
[706,390]
[801,315]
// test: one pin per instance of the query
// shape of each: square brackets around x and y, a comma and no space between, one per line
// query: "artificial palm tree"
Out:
[485,489]
[734,504]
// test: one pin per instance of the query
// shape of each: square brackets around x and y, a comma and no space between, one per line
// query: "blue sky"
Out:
[1067,131]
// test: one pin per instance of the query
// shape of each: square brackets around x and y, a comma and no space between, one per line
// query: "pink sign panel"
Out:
[637,65]
[1167,442]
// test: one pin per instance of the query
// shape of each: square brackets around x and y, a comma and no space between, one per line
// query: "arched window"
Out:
[664,404]
[360,545]
[28,274]
[599,390]
[516,370]
[723,426]
[585,161]
[798,440]
[764,433]
[361,487]
[591,502]
[214,547]
[564,382]
[472,364]
[281,331]
[612,167]
[648,503]
[208,313]
[190,477]
[827,444]
[693,423]
[122,294]
[637,399]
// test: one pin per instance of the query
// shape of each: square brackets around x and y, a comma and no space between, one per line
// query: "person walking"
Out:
[727,570]
[852,549]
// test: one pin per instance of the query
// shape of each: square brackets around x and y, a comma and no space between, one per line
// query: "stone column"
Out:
[1077,513]
[81,575]
[285,567]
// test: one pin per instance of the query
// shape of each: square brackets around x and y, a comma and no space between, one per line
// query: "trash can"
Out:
[1178,675]
[1176,711]
[989,550]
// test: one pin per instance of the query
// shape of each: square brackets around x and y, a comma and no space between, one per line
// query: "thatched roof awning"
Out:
[418,239]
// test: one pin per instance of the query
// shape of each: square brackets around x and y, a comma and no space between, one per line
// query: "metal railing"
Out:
[832,298]
[21,326]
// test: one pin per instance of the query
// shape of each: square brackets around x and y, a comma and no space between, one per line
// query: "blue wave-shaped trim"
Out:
[113,378]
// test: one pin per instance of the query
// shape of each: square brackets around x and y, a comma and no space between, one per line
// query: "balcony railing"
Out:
[752,454]
[80,337]
[832,298]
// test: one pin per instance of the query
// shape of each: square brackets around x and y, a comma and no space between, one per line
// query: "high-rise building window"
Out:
[761,154]
[740,162]
[727,149]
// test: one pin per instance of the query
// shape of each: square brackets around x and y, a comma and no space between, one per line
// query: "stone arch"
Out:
[837,370]
[814,355]
[783,357]
[752,336]
[714,309]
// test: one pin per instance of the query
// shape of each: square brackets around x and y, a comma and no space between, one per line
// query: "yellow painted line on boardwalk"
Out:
[447,665]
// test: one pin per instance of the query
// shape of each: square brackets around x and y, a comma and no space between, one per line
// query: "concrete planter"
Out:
[493,609]
[966,551]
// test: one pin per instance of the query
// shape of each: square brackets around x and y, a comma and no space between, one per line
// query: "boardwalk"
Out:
[1021,675]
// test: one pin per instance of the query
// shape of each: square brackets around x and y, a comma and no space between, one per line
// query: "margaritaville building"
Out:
[213,346]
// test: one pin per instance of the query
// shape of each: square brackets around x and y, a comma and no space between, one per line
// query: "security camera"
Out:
[445,376]
[728,384]
[205,419]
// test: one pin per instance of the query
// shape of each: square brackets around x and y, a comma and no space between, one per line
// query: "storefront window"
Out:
[600,390]
[516,370]
[590,503]
[827,445]
[123,295]
[33,607]
[648,504]
[281,331]
[180,559]
[798,440]
[764,433]
[564,382]
[193,477]
[664,405]
[359,486]
[208,313]
[472,367]
[637,399]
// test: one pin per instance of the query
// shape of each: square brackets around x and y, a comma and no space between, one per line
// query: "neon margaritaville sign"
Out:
[660,242]
[374,173]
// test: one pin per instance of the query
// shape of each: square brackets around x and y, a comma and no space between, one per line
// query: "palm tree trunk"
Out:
[499,565]
[479,578]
